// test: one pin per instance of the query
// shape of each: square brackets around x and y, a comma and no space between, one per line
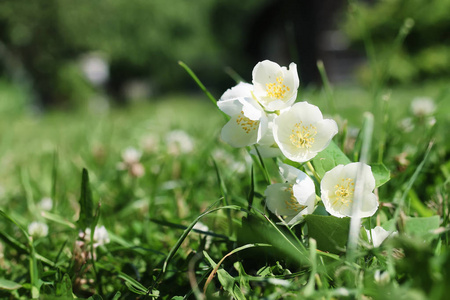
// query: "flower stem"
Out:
[311,168]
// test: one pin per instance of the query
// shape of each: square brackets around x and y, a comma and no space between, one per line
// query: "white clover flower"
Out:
[46,203]
[406,125]
[95,68]
[38,229]
[379,234]
[131,155]
[422,107]
[178,141]
[275,87]
[301,132]
[101,236]
[248,121]
[338,187]
[293,198]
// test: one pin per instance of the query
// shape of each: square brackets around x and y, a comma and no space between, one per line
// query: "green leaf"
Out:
[133,285]
[381,174]
[95,297]
[64,288]
[6,284]
[86,205]
[331,233]
[329,158]
[422,227]
[117,296]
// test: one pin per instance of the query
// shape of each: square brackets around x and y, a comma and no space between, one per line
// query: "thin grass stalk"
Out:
[216,268]
[181,240]
[327,87]
[401,202]
[355,222]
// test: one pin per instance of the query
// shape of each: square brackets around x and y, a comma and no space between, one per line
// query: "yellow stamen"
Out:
[303,136]
[277,89]
[246,124]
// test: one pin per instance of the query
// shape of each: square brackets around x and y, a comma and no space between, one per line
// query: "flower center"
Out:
[246,124]
[292,203]
[344,191]
[303,136]
[277,89]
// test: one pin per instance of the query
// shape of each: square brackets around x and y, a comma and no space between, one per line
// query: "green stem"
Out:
[313,171]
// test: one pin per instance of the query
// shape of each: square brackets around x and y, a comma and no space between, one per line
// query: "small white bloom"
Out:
[275,87]
[338,187]
[379,234]
[422,107]
[293,198]
[131,155]
[150,143]
[38,229]
[381,277]
[46,203]
[95,68]
[202,227]
[101,236]
[301,132]
[406,125]
[178,141]
[248,122]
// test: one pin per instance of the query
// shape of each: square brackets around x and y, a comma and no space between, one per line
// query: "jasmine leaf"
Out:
[381,174]
[330,233]
[329,158]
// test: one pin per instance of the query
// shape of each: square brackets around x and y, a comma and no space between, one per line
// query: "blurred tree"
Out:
[425,53]
[143,40]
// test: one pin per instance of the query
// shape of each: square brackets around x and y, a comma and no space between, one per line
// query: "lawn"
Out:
[179,205]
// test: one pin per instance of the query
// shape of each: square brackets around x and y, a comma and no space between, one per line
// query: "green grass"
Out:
[153,249]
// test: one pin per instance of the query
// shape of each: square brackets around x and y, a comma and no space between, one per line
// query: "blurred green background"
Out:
[67,54]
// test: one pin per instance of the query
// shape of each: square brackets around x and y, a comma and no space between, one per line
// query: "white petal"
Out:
[289,173]
[235,135]
[304,189]
[241,90]
[277,195]
[326,130]
[231,107]
[251,108]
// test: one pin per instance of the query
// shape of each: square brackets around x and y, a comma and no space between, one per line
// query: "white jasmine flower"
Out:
[338,187]
[46,203]
[275,87]
[379,234]
[293,198]
[38,229]
[178,141]
[422,107]
[248,121]
[101,236]
[301,132]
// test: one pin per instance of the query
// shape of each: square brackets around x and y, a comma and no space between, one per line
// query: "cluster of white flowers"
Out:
[264,114]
